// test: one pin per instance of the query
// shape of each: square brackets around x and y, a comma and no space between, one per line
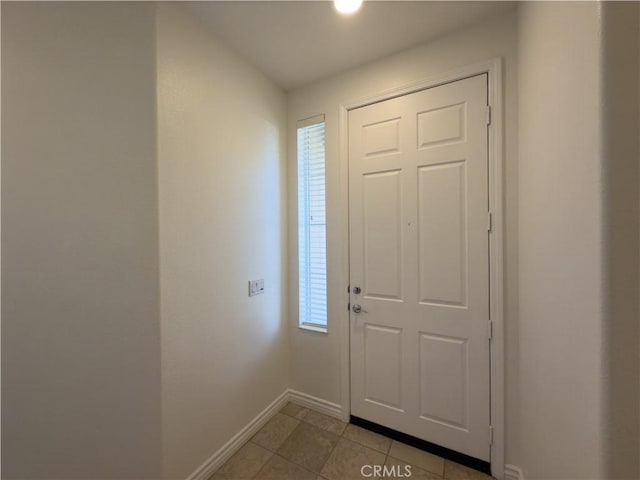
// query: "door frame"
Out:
[493,68]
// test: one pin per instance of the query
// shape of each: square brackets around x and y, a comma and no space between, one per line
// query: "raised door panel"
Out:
[382,208]
[444,380]
[383,366]
[442,240]
[442,125]
[381,138]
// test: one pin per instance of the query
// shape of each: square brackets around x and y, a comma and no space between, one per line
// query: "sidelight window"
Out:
[312,231]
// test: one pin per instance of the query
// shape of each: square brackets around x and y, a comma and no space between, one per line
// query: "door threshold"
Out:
[461,458]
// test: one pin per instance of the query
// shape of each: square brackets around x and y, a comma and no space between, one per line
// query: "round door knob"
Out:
[356,308]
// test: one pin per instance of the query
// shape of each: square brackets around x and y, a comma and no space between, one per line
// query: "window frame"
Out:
[306,251]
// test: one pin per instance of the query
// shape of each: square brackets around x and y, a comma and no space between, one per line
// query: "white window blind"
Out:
[312,237]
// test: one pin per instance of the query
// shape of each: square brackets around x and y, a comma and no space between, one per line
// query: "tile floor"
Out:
[300,444]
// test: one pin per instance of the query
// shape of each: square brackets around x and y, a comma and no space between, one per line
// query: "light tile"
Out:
[325,422]
[455,471]
[403,470]
[347,460]
[417,457]
[294,410]
[367,438]
[280,469]
[309,446]
[244,464]
[275,431]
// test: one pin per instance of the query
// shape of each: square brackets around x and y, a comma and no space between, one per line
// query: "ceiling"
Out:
[299,42]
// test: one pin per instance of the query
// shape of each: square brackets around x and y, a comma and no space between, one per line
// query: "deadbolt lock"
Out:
[356,290]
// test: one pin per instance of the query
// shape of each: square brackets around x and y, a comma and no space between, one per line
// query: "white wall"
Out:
[80,330]
[316,366]
[222,185]
[102,210]
[561,244]
[578,218]
[620,122]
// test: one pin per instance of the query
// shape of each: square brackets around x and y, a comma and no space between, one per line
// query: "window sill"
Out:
[313,328]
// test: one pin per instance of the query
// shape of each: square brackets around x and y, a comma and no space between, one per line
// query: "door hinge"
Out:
[488,114]
[489,221]
[348,307]
[490,329]
[490,435]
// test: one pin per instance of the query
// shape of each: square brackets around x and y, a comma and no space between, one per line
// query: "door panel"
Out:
[441,125]
[442,245]
[382,215]
[443,398]
[418,204]
[382,138]
[383,366]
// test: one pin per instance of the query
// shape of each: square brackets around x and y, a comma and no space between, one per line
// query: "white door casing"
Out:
[419,251]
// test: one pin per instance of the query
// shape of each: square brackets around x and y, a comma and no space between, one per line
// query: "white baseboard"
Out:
[215,461]
[511,472]
[317,404]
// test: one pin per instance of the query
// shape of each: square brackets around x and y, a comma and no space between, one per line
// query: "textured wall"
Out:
[578,239]
[80,328]
[620,160]
[221,161]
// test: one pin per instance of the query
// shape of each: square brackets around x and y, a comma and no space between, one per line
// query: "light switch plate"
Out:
[256,287]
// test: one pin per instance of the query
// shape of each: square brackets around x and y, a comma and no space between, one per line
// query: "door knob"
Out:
[357,309]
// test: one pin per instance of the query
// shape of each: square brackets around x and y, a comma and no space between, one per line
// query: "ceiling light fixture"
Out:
[347,7]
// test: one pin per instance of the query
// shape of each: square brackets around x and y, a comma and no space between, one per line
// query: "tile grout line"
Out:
[302,420]
[342,435]
[275,453]
[332,450]
[386,455]
[265,463]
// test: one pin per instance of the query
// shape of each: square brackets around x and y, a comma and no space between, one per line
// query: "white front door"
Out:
[419,252]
